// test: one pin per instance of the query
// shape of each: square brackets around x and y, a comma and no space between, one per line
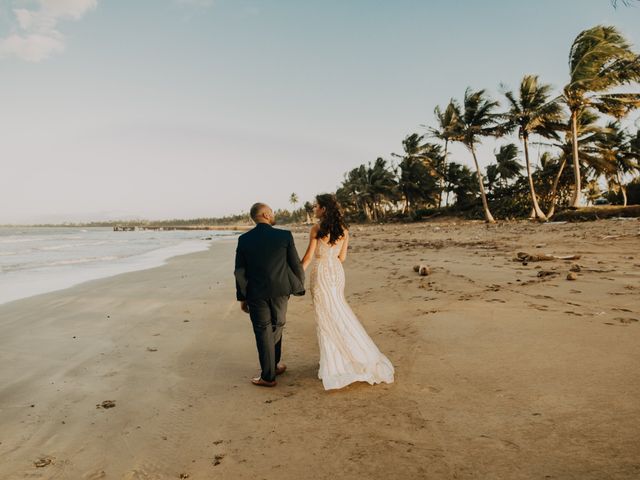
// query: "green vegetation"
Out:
[580,130]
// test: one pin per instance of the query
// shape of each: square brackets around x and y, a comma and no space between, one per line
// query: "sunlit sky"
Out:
[187,108]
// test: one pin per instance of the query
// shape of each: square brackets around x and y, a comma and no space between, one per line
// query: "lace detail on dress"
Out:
[347,353]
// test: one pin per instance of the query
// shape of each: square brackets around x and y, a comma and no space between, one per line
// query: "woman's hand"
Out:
[342,256]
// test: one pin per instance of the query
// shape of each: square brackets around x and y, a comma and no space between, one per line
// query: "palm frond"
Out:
[617,105]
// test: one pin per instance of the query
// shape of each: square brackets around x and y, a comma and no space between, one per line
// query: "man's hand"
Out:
[244,307]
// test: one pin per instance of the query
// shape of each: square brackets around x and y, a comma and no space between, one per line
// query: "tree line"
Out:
[580,129]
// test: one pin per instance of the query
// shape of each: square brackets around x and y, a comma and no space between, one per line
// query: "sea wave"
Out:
[77,261]
[67,273]
[66,246]
[8,240]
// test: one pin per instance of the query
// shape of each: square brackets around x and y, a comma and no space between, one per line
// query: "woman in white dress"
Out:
[347,353]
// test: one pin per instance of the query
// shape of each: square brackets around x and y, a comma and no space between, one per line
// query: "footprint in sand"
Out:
[626,321]
[44,461]
[397,332]
[542,308]
[499,442]
[137,475]
[97,475]
[622,322]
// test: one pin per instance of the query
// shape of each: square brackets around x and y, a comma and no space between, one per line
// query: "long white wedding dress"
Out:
[347,353]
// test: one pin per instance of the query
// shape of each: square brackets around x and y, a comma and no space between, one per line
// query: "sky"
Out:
[159,109]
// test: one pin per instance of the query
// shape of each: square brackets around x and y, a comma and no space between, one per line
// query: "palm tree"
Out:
[381,184]
[413,148]
[478,120]
[461,183]
[308,209]
[618,157]
[453,177]
[491,175]
[421,164]
[353,192]
[532,112]
[593,191]
[367,187]
[448,130]
[293,200]
[547,177]
[507,165]
[434,159]
[588,131]
[600,60]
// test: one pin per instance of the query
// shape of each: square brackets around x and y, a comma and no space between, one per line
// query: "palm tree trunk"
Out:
[575,201]
[444,171]
[485,205]
[554,189]
[534,200]
[367,210]
[623,190]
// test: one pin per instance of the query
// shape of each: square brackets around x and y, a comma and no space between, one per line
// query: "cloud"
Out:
[35,35]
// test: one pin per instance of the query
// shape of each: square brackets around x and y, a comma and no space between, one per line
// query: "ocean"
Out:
[35,260]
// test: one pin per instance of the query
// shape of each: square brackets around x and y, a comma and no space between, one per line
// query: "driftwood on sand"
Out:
[547,273]
[527,257]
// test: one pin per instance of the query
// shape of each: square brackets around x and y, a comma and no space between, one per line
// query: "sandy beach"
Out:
[504,369]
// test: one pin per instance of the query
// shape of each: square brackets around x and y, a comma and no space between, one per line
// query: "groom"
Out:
[268,271]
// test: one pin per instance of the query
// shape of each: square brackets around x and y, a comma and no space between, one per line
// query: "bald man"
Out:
[267,271]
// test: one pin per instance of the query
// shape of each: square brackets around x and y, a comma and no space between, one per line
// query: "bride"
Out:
[347,354]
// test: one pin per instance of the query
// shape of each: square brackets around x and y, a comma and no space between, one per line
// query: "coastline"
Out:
[500,373]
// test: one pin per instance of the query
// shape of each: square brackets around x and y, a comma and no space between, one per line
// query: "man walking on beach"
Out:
[267,271]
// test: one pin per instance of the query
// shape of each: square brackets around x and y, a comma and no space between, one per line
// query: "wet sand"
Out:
[500,373]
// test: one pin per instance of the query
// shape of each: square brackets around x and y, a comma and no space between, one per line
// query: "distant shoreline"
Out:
[581,214]
[127,226]
[124,228]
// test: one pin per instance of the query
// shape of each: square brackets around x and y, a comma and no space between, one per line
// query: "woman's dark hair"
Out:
[332,223]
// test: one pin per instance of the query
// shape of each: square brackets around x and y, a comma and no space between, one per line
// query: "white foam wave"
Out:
[57,276]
